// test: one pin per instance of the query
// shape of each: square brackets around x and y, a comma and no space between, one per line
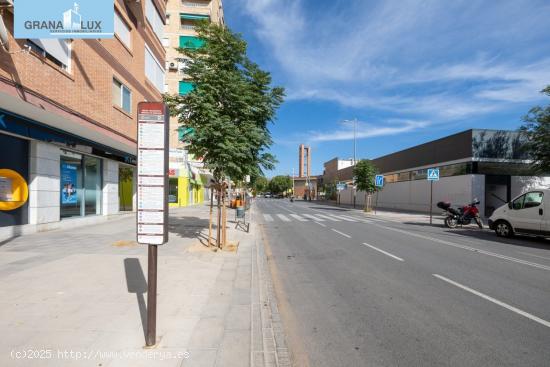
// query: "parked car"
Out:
[267,196]
[528,213]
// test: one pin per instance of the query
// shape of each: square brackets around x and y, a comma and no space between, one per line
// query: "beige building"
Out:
[186,175]
[68,116]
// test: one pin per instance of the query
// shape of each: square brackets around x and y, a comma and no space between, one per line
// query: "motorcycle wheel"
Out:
[479,223]
[451,222]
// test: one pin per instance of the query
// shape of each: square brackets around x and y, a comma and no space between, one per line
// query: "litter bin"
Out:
[240,212]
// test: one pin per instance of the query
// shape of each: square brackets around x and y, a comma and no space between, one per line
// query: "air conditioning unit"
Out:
[171,65]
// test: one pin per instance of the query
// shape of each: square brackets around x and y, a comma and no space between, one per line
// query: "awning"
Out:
[194,16]
[191,42]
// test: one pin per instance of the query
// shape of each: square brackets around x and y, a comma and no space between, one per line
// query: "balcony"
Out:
[188,21]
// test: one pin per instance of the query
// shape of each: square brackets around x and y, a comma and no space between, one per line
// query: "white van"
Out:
[528,213]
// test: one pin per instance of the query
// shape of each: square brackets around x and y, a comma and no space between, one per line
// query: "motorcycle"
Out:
[461,215]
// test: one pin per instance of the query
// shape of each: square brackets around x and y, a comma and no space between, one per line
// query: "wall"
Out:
[415,195]
[111,204]
[44,184]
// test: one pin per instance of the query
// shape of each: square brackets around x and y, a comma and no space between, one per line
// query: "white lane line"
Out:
[473,249]
[321,224]
[496,301]
[329,218]
[268,218]
[540,257]
[349,219]
[343,234]
[283,218]
[296,216]
[310,216]
[384,252]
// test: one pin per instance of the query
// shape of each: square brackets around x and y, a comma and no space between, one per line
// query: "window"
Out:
[188,21]
[154,18]
[518,203]
[185,87]
[154,71]
[122,30]
[532,200]
[166,42]
[57,51]
[122,96]
[81,181]
[196,3]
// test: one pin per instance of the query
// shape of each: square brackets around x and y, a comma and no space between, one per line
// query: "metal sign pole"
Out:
[152,296]
[431,199]
[152,197]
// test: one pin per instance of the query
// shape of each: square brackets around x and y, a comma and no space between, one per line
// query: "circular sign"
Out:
[14,191]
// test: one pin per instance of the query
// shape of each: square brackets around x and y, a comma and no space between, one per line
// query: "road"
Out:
[370,292]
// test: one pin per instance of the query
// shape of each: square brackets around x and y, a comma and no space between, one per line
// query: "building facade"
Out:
[490,165]
[68,117]
[187,176]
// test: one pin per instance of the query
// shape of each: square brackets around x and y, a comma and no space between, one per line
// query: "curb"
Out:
[269,348]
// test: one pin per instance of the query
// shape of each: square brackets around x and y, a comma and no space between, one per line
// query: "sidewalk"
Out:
[392,215]
[78,298]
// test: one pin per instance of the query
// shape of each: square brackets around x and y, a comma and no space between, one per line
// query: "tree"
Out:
[537,131]
[229,107]
[260,184]
[280,184]
[365,172]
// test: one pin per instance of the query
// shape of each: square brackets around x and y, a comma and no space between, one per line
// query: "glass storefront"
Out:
[173,190]
[81,182]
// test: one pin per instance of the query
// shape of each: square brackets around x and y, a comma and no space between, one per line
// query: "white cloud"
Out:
[364,130]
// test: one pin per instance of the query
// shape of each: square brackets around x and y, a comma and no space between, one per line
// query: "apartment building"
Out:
[68,117]
[187,176]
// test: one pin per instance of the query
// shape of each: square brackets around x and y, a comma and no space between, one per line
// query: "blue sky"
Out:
[408,71]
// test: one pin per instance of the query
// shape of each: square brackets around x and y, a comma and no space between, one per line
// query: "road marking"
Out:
[296,216]
[283,218]
[341,217]
[496,301]
[349,219]
[526,253]
[310,216]
[473,249]
[321,224]
[329,218]
[268,218]
[382,251]
[343,234]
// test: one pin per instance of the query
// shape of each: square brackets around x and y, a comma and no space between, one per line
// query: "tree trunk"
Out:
[224,222]
[219,225]
[365,205]
[210,220]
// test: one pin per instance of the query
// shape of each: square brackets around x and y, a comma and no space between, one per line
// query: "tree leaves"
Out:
[230,107]
[365,172]
[537,131]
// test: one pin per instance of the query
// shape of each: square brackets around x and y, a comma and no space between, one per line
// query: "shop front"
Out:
[65,177]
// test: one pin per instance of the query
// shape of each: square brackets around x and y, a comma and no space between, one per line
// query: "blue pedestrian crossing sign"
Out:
[433,174]
[379,181]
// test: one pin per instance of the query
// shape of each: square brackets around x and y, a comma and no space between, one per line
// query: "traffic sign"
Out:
[340,186]
[433,174]
[379,181]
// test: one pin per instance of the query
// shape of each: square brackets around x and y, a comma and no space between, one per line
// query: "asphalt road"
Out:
[364,292]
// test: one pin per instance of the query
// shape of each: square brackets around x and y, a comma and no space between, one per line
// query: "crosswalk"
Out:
[286,217]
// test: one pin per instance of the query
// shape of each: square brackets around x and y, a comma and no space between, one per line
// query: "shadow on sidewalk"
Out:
[136,283]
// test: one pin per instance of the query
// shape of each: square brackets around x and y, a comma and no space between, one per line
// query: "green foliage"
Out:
[260,184]
[537,131]
[365,172]
[229,107]
[280,184]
